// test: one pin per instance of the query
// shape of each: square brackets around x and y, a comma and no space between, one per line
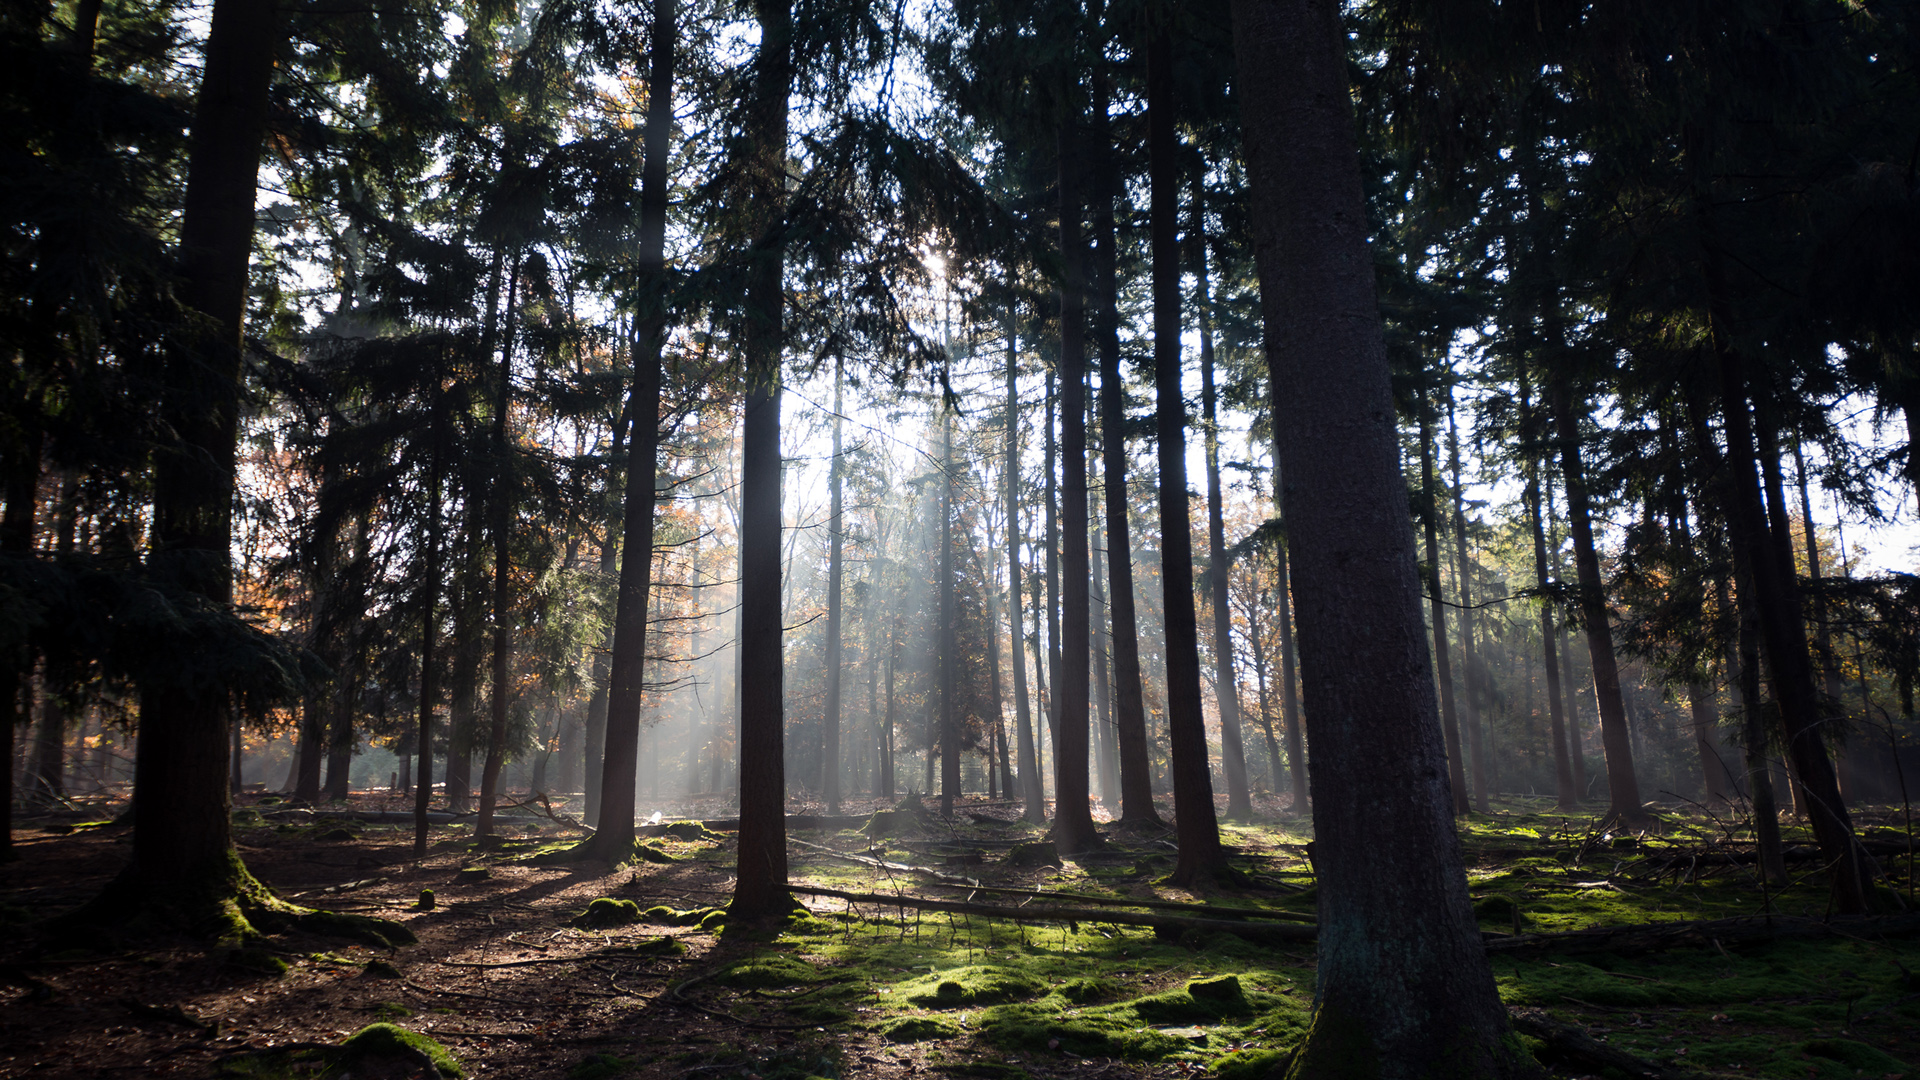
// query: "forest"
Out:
[1245,538]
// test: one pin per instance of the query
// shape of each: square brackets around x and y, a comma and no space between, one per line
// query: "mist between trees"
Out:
[703,411]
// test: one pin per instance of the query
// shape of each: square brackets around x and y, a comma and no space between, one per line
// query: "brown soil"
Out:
[130,1010]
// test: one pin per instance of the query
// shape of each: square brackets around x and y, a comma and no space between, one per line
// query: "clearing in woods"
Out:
[591,971]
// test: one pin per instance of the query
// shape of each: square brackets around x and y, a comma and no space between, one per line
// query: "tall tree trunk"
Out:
[1198,830]
[1623,788]
[1290,719]
[1104,751]
[1753,726]
[1256,644]
[830,753]
[1073,828]
[627,666]
[500,509]
[760,889]
[1449,715]
[1823,631]
[594,749]
[1130,716]
[49,767]
[1052,677]
[1783,636]
[1566,794]
[949,636]
[1469,665]
[182,851]
[429,632]
[1033,802]
[1233,750]
[1404,980]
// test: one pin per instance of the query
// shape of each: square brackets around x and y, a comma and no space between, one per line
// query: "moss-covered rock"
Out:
[607,912]
[470,874]
[917,1029]
[768,972]
[971,986]
[390,1041]
[653,853]
[1253,1065]
[1037,853]
[380,969]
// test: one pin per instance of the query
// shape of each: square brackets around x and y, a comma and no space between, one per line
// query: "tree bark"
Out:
[182,848]
[1129,704]
[1469,664]
[1623,787]
[1404,985]
[1566,795]
[1233,750]
[760,889]
[1073,828]
[1449,714]
[948,636]
[830,753]
[1783,638]
[500,509]
[1197,828]
[1033,802]
[594,749]
[429,632]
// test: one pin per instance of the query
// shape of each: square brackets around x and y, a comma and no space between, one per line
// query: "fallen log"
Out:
[1654,937]
[1157,905]
[1283,933]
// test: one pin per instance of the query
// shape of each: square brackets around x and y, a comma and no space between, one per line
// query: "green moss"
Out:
[470,874]
[1089,989]
[714,920]
[659,946]
[380,969]
[390,1010]
[1200,1001]
[1253,1065]
[769,972]
[426,900]
[607,912]
[661,915]
[971,986]
[917,1029]
[653,853]
[388,1041]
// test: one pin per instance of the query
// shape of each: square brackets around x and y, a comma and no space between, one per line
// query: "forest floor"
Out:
[513,982]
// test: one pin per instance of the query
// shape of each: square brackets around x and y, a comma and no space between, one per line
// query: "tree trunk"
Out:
[1623,788]
[1469,665]
[1129,712]
[1449,716]
[1753,726]
[1106,760]
[1783,637]
[429,631]
[1198,830]
[760,889]
[182,850]
[1296,748]
[1823,630]
[500,508]
[1566,794]
[949,636]
[1073,828]
[1256,645]
[830,753]
[1233,750]
[1404,983]
[627,665]
[594,749]
[1033,802]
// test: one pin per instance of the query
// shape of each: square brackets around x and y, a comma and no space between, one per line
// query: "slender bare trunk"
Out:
[1469,663]
[1073,828]
[836,545]
[1449,714]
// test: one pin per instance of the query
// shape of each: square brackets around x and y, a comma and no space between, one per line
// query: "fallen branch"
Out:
[1157,905]
[1653,937]
[1251,931]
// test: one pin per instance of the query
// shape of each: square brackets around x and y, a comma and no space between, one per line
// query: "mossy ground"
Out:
[887,993]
